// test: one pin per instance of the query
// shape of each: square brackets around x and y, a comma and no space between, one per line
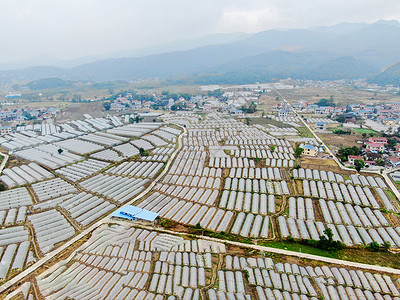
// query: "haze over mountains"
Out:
[343,51]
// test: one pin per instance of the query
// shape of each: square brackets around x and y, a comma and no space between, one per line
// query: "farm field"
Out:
[127,262]
[226,180]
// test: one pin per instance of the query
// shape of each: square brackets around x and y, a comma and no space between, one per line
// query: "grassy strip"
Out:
[297,247]
[358,254]
[304,132]
[267,121]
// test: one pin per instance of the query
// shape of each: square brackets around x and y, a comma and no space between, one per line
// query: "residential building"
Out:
[309,150]
[284,113]
[393,160]
[5,130]
[353,158]
[375,146]
[375,139]
[320,126]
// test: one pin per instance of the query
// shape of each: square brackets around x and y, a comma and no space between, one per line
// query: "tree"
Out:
[359,164]
[298,152]
[341,119]
[392,142]
[373,246]
[326,241]
[341,131]
[379,162]
[217,93]
[326,102]
[364,135]
[343,153]
[60,150]
[107,105]
[247,121]
[273,147]
[386,245]
[329,233]
[143,152]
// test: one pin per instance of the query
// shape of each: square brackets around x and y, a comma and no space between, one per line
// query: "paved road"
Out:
[319,140]
[81,235]
[4,161]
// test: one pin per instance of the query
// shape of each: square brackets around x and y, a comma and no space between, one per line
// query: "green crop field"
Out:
[364,130]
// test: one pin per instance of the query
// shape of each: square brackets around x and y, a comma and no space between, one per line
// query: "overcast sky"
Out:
[69,29]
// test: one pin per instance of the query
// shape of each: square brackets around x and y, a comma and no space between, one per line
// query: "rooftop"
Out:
[131,212]
[309,147]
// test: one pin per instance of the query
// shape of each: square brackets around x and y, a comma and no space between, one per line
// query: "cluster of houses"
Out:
[386,114]
[21,115]
[127,102]
[228,102]
[375,151]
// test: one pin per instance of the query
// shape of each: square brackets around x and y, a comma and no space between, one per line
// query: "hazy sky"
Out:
[72,28]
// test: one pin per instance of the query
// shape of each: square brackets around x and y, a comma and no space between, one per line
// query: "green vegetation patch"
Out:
[304,132]
[360,254]
[267,121]
[364,130]
[297,247]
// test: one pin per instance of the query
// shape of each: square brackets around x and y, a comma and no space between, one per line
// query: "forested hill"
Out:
[334,52]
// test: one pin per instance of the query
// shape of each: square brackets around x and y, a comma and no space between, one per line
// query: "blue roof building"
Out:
[309,150]
[134,213]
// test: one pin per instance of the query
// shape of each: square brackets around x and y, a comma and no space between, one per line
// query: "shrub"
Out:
[373,246]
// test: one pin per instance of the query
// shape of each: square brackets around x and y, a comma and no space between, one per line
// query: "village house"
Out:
[284,113]
[320,126]
[5,130]
[393,160]
[309,150]
[375,146]
[375,139]
[353,158]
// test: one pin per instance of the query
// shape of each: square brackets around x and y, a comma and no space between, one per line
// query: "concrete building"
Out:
[5,130]
[375,139]
[375,146]
[309,150]
[320,126]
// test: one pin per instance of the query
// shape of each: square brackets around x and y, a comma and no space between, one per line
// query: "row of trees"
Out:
[326,102]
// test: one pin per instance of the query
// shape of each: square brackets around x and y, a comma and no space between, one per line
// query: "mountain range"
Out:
[343,51]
